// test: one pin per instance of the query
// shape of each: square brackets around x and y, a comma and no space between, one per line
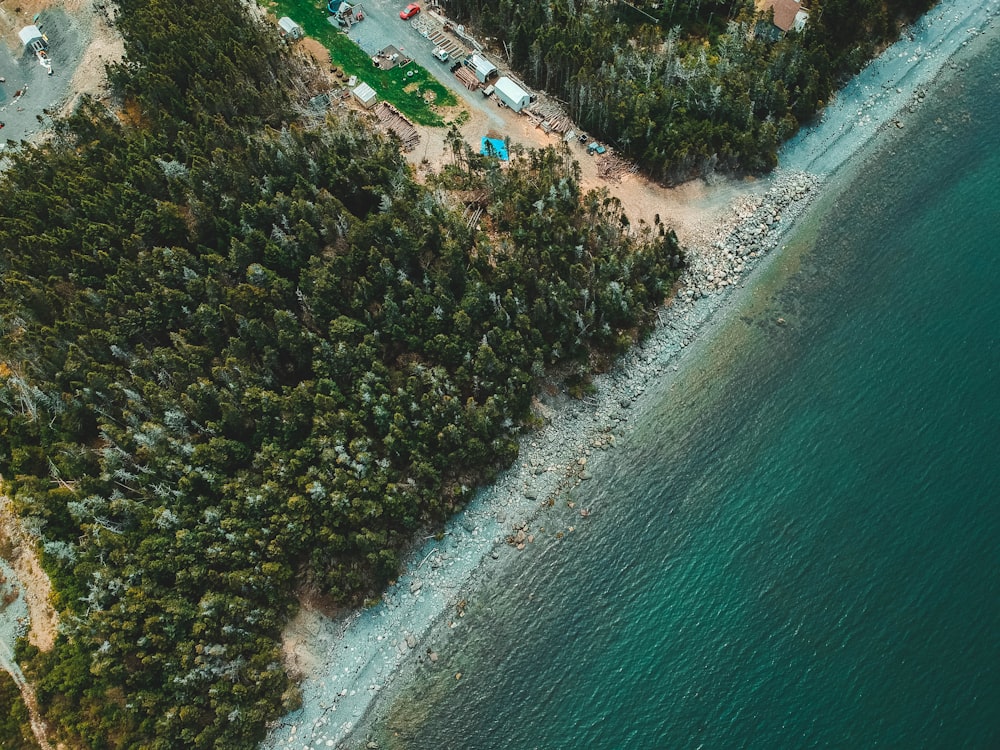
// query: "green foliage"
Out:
[687,86]
[15,728]
[242,357]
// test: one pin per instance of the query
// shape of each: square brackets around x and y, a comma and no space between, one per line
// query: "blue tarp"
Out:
[494,147]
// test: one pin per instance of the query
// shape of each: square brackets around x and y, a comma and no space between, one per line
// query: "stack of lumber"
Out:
[467,78]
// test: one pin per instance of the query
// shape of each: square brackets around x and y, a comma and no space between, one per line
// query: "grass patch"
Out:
[406,93]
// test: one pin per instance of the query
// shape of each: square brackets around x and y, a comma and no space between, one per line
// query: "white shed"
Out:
[289,28]
[365,95]
[32,38]
[482,67]
[511,94]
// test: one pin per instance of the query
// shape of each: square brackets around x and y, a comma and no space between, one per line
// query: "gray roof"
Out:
[29,34]
[364,92]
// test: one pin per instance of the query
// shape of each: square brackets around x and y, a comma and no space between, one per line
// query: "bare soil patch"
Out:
[19,549]
[692,209]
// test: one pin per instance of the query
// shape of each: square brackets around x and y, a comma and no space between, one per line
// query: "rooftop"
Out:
[788,14]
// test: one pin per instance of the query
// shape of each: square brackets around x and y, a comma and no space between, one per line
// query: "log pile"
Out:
[613,168]
[549,116]
[393,121]
[467,78]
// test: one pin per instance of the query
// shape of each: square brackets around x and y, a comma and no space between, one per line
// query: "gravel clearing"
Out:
[28,95]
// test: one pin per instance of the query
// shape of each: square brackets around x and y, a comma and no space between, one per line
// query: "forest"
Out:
[685,87]
[15,727]
[243,359]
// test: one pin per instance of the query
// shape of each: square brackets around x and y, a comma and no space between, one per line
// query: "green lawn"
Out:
[311,15]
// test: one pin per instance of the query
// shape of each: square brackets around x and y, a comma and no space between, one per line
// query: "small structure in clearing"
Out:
[789,15]
[365,95]
[36,43]
[32,38]
[289,28]
[510,94]
[344,14]
[483,69]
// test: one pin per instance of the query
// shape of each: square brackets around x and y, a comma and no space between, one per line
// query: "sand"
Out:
[27,609]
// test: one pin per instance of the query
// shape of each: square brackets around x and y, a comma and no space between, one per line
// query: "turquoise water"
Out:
[800,544]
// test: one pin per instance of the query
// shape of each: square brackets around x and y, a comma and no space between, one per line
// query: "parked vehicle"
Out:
[409,11]
[441,54]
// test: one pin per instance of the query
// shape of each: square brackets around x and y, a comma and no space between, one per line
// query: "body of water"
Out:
[799,546]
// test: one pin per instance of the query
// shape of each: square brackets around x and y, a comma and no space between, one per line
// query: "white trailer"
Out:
[289,28]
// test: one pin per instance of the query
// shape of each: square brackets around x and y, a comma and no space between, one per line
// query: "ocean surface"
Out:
[799,544]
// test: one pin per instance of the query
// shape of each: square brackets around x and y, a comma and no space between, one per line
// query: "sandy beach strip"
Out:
[348,663]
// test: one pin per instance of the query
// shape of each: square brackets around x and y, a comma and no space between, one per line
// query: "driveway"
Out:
[383,26]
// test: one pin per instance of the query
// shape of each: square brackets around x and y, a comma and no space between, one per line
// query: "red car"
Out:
[409,11]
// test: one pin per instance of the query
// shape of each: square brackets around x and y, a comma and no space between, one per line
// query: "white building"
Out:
[289,28]
[482,67]
[32,38]
[511,94]
[365,95]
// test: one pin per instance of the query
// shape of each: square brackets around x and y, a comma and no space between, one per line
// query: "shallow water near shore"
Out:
[797,545]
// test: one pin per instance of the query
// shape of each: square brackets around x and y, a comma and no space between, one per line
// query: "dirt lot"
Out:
[689,209]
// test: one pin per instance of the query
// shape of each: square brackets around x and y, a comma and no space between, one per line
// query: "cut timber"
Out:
[613,168]
[549,116]
[467,78]
[393,121]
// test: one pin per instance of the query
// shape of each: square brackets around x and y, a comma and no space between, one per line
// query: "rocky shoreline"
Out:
[409,624]
[350,662]
[576,428]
